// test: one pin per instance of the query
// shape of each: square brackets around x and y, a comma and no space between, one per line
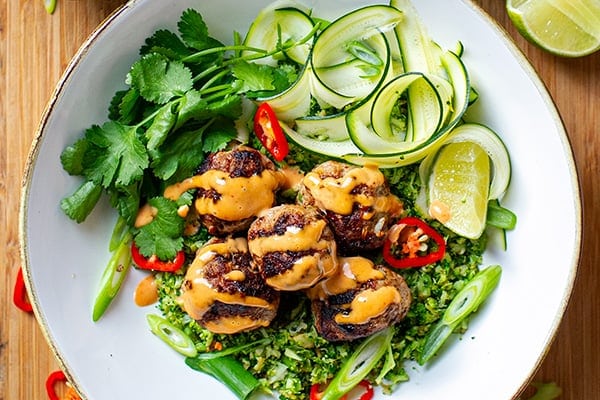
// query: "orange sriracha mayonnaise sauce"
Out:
[199,295]
[338,195]
[368,303]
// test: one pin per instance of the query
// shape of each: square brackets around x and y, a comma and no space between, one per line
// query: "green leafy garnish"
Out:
[162,236]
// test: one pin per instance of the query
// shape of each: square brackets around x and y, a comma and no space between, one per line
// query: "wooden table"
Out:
[35,49]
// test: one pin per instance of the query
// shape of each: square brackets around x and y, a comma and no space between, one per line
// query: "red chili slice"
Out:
[53,379]
[153,263]
[269,132]
[413,243]
[316,393]
[20,297]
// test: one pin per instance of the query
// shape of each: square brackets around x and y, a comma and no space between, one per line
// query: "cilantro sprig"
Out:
[182,99]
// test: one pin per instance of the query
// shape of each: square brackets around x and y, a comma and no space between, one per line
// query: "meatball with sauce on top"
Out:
[233,187]
[357,203]
[359,300]
[293,247]
[224,291]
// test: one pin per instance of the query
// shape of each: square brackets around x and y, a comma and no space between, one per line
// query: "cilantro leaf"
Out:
[115,154]
[194,106]
[81,203]
[166,43]
[126,200]
[254,77]
[219,136]
[194,31]
[181,156]
[162,236]
[158,80]
[125,106]
[283,77]
[230,107]
[191,105]
[72,157]
[160,128]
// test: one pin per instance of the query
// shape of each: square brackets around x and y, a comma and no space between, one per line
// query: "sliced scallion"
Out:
[228,371]
[500,217]
[50,6]
[360,363]
[171,335]
[466,301]
[114,274]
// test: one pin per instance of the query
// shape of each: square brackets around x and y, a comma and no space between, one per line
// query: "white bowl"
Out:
[118,358]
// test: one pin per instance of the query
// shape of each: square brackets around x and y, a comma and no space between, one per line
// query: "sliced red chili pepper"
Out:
[20,297]
[154,263]
[316,393]
[53,379]
[413,243]
[269,132]
[369,392]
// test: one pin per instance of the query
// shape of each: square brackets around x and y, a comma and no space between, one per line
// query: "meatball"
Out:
[356,201]
[233,187]
[292,246]
[224,291]
[360,299]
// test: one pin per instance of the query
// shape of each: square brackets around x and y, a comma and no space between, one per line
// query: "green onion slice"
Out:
[50,6]
[113,276]
[500,217]
[360,363]
[228,371]
[171,335]
[466,301]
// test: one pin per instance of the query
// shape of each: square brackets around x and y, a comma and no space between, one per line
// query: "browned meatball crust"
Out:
[359,300]
[293,246]
[356,201]
[224,291]
[232,188]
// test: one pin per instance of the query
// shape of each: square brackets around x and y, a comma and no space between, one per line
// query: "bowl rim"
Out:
[123,9]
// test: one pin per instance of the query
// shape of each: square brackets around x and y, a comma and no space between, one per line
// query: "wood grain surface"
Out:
[34,50]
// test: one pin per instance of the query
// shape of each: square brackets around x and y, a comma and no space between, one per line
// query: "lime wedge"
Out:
[458,188]
[568,28]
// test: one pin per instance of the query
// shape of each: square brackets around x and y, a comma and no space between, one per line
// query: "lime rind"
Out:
[460,180]
[568,28]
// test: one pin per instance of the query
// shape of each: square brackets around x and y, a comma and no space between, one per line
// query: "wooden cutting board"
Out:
[35,49]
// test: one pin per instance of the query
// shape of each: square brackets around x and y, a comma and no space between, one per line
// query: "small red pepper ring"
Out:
[413,243]
[269,132]
[369,393]
[53,379]
[20,297]
[316,393]
[153,263]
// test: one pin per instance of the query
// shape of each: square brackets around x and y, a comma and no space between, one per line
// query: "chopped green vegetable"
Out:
[467,301]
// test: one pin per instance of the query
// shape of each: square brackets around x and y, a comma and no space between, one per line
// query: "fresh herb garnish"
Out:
[183,95]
